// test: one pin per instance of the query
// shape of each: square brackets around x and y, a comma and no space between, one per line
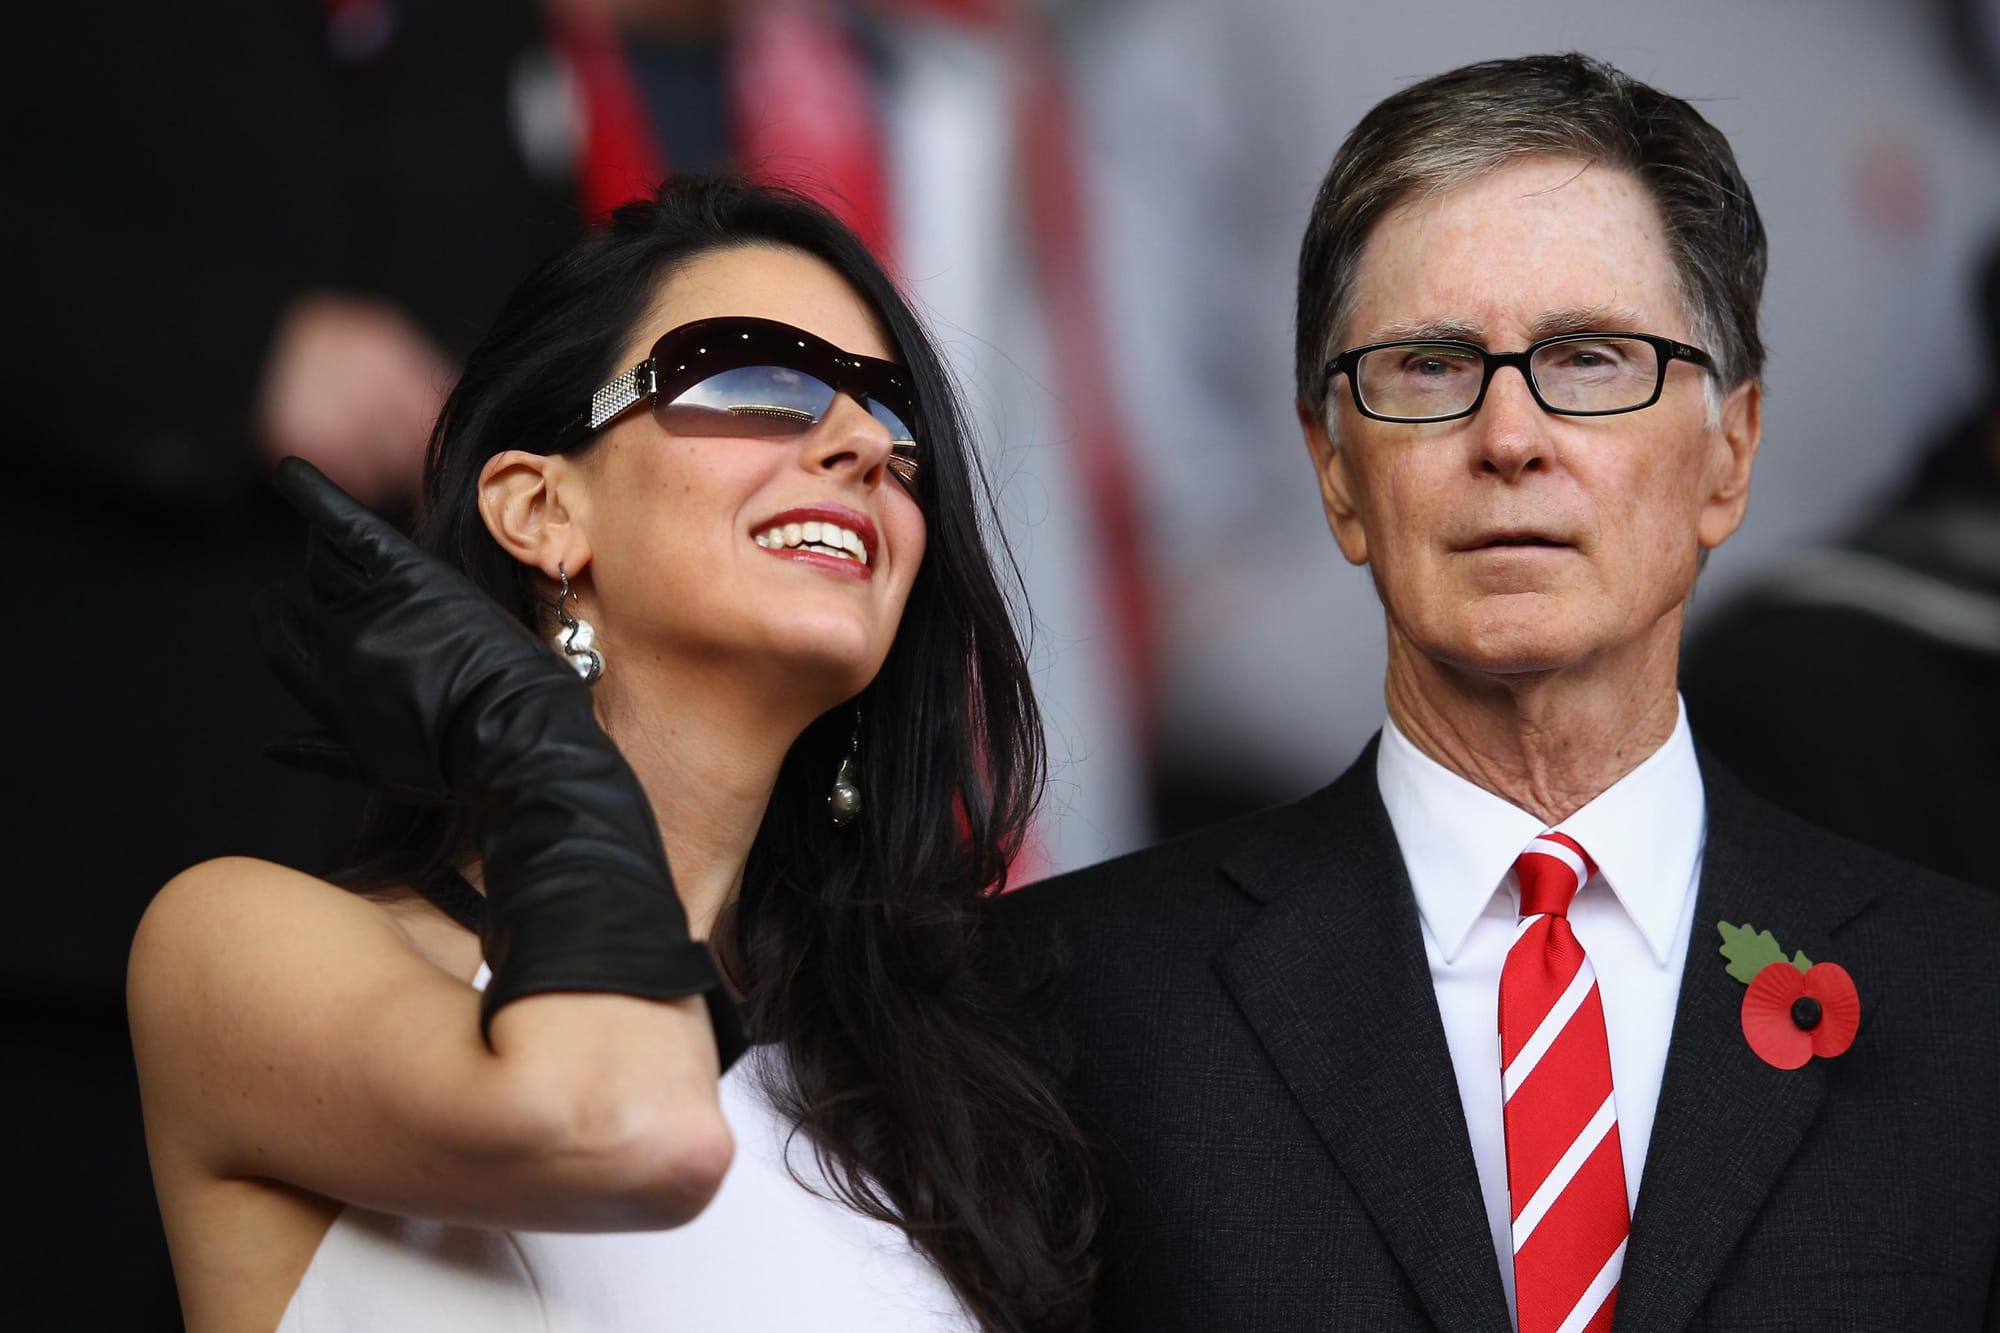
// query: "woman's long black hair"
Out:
[854,947]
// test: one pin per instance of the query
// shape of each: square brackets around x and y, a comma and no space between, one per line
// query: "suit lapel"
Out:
[1332,977]
[1727,1123]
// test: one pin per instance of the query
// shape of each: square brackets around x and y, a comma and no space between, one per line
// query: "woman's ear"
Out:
[531,503]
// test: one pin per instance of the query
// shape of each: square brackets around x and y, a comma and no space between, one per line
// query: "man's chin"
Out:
[1513,651]
[1512,648]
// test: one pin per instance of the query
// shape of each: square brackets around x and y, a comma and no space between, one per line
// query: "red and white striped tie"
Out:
[1565,1167]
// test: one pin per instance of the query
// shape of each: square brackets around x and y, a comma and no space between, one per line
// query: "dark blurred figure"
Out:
[252,229]
[1860,685]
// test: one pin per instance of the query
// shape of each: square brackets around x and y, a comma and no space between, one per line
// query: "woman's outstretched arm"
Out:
[287,1030]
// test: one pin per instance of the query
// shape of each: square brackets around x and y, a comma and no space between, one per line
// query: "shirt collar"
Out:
[1459,841]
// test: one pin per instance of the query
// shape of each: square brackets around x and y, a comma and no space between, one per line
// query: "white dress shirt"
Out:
[1633,918]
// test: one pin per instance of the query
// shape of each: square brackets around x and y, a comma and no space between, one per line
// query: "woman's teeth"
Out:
[826,538]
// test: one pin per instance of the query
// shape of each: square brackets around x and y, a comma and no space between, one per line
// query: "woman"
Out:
[774,580]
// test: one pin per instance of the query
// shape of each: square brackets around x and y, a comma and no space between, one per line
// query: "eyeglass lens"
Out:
[1419,380]
[764,402]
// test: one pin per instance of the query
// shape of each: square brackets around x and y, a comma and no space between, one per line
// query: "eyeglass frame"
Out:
[1667,349]
[841,370]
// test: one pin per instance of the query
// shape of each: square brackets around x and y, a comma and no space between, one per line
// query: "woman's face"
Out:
[682,567]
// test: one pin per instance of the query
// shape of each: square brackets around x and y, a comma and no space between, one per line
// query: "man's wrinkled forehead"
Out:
[1536,248]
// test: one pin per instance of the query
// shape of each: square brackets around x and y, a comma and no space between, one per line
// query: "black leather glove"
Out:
[432,690]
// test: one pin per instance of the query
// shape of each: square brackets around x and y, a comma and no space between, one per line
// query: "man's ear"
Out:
[1734,448]
[1336,492]
[532,504]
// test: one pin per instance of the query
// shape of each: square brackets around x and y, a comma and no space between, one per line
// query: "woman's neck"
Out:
[706,745]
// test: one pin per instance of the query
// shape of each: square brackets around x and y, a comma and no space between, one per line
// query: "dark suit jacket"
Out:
[1253,1043]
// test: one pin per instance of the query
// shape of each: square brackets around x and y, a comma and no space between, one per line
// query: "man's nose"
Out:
[1511,431]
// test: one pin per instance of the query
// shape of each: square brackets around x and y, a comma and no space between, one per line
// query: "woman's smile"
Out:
[832,537]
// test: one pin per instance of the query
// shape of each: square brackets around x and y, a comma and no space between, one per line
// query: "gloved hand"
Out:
[432,690]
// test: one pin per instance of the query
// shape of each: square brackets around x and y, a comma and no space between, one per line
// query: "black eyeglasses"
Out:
[1571,375]
[756,378]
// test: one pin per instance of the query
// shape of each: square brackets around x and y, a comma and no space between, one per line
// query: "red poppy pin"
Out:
[1794,1008]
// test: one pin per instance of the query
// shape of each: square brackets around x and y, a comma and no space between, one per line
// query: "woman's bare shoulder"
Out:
[238,906]
[232,962]
[230,884]
[249,981]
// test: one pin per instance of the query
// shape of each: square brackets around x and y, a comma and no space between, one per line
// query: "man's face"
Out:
[1515,541]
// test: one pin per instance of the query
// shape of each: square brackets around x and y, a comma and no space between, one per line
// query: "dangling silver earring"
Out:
[844,801]
[575,638]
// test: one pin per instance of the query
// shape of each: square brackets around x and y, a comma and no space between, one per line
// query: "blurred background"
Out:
[260,227]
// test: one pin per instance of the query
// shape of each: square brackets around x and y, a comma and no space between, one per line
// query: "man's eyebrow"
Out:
[1427,330]
[1587,319]
[1552,324]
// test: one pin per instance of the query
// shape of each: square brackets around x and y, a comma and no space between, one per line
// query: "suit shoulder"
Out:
[1930,906]
[1168,877]
[1912,898]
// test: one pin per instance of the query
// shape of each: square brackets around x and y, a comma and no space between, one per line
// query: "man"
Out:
[1528,378]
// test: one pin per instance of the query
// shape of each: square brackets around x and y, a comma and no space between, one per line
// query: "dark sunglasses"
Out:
[756,378]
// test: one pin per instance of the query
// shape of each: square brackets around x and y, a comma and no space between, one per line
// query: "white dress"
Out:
[766,1254]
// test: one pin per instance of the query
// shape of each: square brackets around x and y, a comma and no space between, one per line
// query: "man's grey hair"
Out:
[1450,129]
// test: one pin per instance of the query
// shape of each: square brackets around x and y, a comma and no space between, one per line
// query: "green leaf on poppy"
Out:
[1801,962]
[1750,951]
